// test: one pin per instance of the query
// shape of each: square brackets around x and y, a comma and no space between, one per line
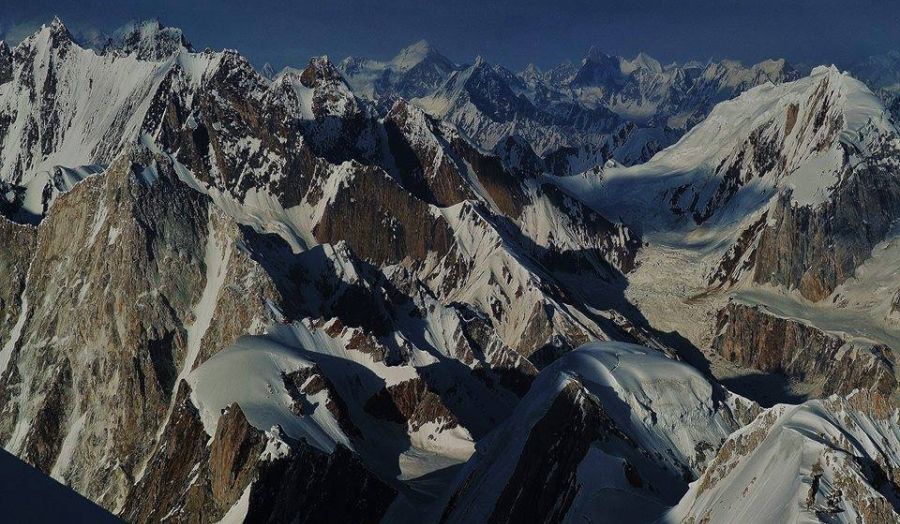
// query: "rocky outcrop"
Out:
[814,250]
[14,260]
[426,170]
[895,304]
[843,466]
[6,67]
[125,258]
[750,336]
[411,403]
[233,457]
[381,222]
[586,441]
[311,486]
[174,481]
[310,381]
[544,482]
[99,259]
[202,479]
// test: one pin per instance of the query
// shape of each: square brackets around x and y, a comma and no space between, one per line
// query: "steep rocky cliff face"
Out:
[784,195]
[19,245]
[232,297]
[753,337]
[217,208]
[816,249]
[122,326]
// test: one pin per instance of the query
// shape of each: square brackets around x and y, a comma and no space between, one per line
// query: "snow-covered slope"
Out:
[832,460]
[489,103]
[578,116]
[416,71]
[274,298]
[800,136]
[789,186]
[67,109]
[387,285]
[645,91]
[610,430]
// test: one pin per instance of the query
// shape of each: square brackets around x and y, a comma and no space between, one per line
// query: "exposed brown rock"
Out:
[410,402]
[18,245]
[426,168]
[752,337]
[544,482]
[310,381]
[790,119]
[310,486]
[234,454]
[815,250]
[48,428]
[174,477]
[381,222]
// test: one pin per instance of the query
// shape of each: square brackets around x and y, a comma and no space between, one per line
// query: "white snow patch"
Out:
[237,513]
[64,459]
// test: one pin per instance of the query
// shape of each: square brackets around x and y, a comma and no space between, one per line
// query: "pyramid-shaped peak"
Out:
[416,53]
[646,61]
[55,34]
[422,46]
[57,24]
[320,69]
[596,54]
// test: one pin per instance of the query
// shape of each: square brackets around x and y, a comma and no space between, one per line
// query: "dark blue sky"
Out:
[509,32]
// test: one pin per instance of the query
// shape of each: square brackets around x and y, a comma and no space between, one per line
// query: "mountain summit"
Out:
[413,290]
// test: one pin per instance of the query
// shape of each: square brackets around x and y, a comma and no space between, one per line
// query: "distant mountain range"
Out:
[575,116]
[419,291]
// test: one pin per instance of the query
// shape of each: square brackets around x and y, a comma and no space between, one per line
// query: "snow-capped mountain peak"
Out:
[799,135]
[53,35]
[415,71]
[148,40]
[641,61]
[413,55]
[310,296]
